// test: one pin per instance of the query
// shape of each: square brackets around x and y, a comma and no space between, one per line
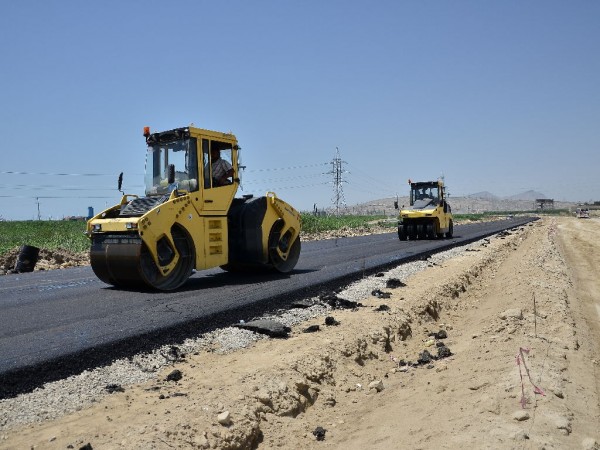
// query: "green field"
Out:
[50,235]
[316,224]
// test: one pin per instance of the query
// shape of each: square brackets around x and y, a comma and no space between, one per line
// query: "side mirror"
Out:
[396,205]
[120,182]
[171,174]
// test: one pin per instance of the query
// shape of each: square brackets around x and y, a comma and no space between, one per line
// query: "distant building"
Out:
[75,218]
[544,203]
[82,218]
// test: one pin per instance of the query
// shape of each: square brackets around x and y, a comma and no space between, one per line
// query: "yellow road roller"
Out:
[189,218]
[429,215]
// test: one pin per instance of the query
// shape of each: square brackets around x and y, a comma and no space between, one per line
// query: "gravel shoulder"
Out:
[521,312]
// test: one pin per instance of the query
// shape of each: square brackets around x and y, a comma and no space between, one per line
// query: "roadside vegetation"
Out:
[47,234]
[318,224]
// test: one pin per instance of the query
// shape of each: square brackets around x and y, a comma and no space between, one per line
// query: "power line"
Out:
[288,168]
[53,187]
[283,188]
[56,196]
[10,172]
[299,177]
[379,181]
[362,190]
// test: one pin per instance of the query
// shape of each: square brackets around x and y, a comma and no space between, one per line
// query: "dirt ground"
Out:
[522,318]
[47,260]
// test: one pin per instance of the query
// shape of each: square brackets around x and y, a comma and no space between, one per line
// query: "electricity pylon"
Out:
[338,191]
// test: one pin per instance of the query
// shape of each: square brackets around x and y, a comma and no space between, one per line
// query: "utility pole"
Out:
[37,199]
[338,191]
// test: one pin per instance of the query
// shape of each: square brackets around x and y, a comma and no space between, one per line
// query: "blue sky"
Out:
[496,96]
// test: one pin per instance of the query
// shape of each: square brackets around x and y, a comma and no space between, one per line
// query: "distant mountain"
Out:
[528,195]
[474,203]
[484,195]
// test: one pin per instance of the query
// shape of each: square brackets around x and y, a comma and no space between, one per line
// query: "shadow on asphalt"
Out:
[197,283]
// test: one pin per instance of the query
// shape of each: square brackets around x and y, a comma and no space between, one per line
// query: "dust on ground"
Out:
[521,315]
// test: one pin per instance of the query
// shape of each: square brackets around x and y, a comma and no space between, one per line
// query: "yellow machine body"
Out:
[429,215]
[190,219]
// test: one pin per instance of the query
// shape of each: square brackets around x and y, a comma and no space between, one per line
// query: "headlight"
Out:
[131,226]
[96,228]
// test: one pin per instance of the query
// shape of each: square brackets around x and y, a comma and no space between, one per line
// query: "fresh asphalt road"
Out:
[67,316]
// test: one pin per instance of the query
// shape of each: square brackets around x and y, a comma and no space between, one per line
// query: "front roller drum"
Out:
[126,262]
[115,260]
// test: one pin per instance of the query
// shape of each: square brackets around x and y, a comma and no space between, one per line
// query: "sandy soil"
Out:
[521,314]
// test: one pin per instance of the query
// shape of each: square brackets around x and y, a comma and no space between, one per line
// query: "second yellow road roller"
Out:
[429,215]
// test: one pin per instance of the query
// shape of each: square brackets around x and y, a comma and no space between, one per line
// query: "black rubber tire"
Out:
[411,230]
[402,233]
[450,231]
[430,228]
